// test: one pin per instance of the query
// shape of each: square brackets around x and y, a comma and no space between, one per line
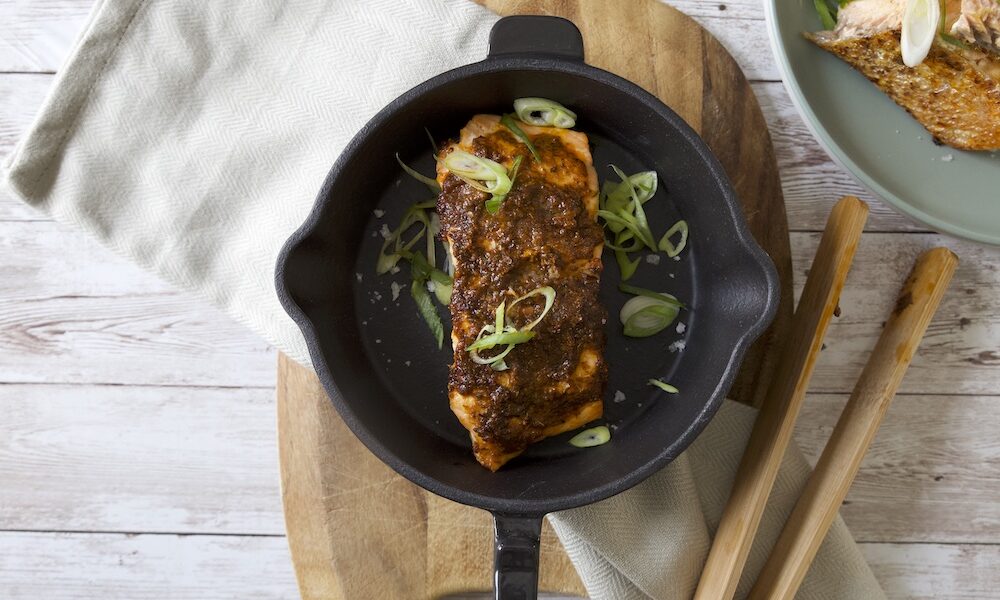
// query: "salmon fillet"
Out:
[545,234]
[955,92]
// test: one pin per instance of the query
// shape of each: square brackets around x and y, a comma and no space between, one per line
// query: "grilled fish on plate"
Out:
[545,234]
[955,91]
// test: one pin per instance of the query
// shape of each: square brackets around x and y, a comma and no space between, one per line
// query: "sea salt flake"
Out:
[407,363]
[619,396]
[378,340]
[379,213]
[395,290]
[681,327]
[358,275]
[653,259]
[677,346]
[948,158]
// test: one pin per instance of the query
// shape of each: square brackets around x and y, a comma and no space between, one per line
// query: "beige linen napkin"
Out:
[192,136]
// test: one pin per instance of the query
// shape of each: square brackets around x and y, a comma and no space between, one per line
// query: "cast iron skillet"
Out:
[380,365]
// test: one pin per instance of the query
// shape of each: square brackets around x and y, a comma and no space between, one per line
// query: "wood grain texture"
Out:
[68,302]
[344,507]
[931,474]
[961,350]
[116,458]
[827,487]
[773,428]
[73,566]
[201,460]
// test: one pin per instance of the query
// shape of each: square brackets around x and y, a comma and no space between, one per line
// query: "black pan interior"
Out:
[389,378]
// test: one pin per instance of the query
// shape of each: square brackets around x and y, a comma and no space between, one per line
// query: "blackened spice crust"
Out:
[542,235]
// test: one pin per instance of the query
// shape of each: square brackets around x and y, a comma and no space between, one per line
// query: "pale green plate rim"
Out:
[842,158]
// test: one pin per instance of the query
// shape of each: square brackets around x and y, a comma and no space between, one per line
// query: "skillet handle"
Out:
[538,35]
[515,558]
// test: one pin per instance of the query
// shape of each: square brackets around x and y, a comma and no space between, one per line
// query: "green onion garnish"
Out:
[544,113]
[954,41]
[387,260]
[626,266]
[648,313]
[666,387]
[550,298]
[430,138]
[643,317]
[669,247]
[638,291]
[826,16]
[430,182]
[493,204]
[474,169]
[483,174]
[509,122]
[499,339]
[501,332]
[426,309]
[591,437]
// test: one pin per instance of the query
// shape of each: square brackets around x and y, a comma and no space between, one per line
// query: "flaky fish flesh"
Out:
[955,91]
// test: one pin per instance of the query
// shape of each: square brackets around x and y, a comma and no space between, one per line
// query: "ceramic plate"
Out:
[949,190]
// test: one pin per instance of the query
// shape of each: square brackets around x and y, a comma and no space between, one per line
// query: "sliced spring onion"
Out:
[826,16]
[648,313]
[954,41]
[594,436]
[641,230]
[672,250]
[550,298]
[626,266]
[509,122]
[544,113]
[430,138]
[643,316]
[499,339]
[921,19]
[666,387]
[387,260]
[638,291]
[499,365]
[474,169]
[426,309]
[493,204]
[431,183]
[476,358]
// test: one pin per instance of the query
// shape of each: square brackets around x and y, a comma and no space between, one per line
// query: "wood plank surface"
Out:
[138,459]
[108,566]
[211,454]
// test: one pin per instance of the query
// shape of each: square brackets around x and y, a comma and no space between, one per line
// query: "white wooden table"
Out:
[137,450]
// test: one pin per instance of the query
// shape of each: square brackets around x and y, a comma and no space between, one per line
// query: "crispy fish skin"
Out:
[545,234]
[956,101]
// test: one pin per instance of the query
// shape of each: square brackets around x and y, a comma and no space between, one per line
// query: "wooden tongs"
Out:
[829,483]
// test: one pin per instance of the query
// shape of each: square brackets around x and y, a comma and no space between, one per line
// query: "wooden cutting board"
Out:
[358,530]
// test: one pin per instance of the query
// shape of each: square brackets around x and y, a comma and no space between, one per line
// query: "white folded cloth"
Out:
[192,136]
